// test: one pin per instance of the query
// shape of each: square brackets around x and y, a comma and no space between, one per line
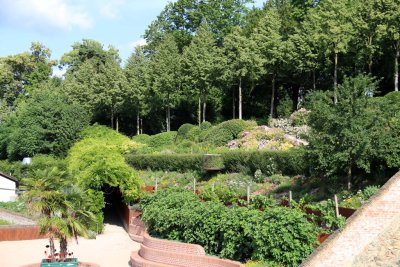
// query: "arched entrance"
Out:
[113,211]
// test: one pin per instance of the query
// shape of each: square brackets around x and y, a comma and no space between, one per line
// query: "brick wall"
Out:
[364,228]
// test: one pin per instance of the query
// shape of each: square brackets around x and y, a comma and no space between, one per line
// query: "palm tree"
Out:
[50,195]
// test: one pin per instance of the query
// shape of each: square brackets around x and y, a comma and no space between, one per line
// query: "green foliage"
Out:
[61,206]
[285,107]
[279,235]
[328,220]
[15,206]
[162,139]
[167,179]
[183,131]
[171,162]
[220,134]
[45,124]
[4,222]
[290,162]
[213,162]
[141,138]
[97,160]
[340,140]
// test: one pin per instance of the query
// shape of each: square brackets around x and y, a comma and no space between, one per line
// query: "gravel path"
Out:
[15,218]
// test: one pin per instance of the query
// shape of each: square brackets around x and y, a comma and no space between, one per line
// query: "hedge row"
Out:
[166,162]
[280,236]
[290,162]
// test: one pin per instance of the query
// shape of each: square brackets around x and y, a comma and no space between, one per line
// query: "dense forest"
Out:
[204,61]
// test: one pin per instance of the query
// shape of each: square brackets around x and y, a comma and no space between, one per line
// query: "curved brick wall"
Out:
[156,252]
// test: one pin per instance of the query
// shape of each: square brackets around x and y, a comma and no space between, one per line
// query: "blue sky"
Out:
[59,23]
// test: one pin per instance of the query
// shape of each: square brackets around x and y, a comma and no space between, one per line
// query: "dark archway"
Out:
[113,211]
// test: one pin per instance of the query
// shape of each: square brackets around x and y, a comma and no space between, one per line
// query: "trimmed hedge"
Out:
[166,162]
[290,162]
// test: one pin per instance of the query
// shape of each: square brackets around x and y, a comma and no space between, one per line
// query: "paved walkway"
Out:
[111,249]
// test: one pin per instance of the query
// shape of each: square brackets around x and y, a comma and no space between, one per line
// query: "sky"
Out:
[58,24]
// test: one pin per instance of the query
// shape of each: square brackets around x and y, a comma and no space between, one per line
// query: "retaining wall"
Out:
[19,232]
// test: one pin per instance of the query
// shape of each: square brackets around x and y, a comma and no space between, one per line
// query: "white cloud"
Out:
[45,15]
[110,9]
[140,42]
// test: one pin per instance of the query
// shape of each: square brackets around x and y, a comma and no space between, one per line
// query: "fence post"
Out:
[336,206]
[194,186]
[290,198]
[156,186]
[248,194]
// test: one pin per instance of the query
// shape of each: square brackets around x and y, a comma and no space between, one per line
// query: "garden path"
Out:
[110,249]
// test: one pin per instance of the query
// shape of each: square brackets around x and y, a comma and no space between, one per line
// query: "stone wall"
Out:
[370,237]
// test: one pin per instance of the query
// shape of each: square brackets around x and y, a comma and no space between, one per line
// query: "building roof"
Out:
[9,177]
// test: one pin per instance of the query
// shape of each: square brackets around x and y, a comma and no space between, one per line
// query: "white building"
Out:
[8,187]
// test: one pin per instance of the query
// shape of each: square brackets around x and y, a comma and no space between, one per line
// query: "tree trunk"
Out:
[272,96]
[52,248]
[199,112]
[168,118]
[204,110]
[137,123]
[117,123]
[63,248]
[349,178]
[141,126]
[240,98]
[396,68]
[112,119]
[370,58]
[335,80]
[233,105]
[314,86]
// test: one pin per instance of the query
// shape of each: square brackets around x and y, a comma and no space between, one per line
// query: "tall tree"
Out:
[241,62]
[332,27]
[166,66]
[95,79]
[392,29]
[137,71]
[183,17]
[340,141]
[369,31]
[270,48]
[199,64]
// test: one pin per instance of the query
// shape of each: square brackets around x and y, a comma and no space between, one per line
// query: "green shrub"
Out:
[141,138]
[277,235]
[194,134]
[162,139]
[205,125]
[184,130]
[369,191]
[222,133]
[15,206]
[285,107]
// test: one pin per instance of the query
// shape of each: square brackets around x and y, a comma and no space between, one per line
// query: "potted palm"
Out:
[51,196]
